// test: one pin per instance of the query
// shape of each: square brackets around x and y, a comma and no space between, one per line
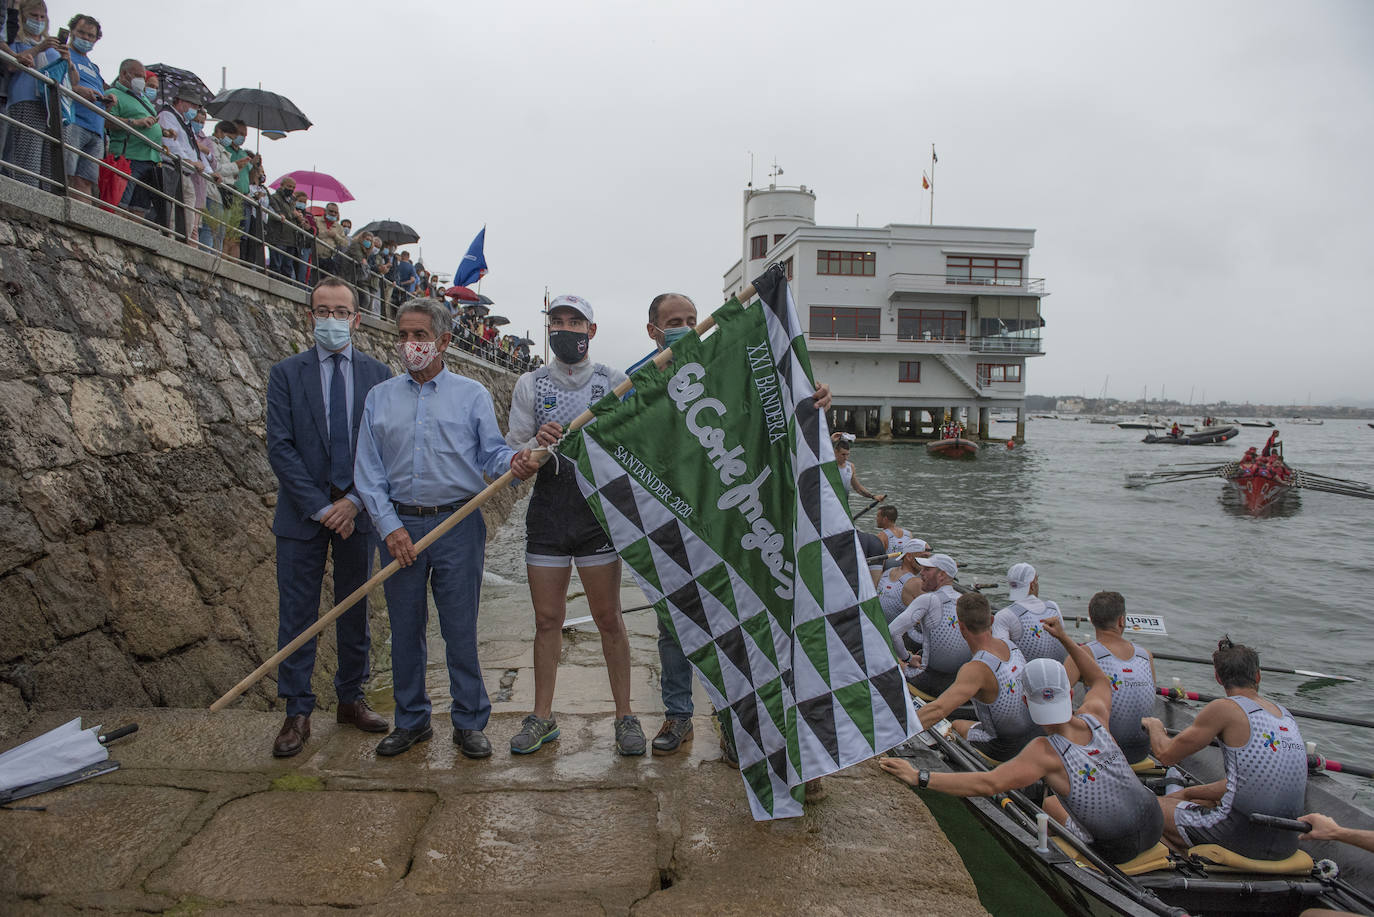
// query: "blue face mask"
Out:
[197,127]
[150,94]
[238,140]
[332,333]
[386,251]
[35,27]
[300,205]
[672,335]
[367,244]
[83,45]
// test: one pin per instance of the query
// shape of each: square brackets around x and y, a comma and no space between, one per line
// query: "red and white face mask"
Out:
[417,355]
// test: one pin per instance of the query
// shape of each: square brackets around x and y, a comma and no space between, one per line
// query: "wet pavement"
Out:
[200,819]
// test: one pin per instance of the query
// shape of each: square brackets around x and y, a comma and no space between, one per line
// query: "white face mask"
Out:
[417,355]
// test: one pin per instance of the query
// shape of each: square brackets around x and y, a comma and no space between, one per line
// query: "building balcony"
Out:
[896,343]
[943,283]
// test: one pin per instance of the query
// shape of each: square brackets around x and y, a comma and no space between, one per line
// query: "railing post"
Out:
[57,156]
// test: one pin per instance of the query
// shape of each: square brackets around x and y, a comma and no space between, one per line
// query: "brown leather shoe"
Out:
[364,717]
[292,737]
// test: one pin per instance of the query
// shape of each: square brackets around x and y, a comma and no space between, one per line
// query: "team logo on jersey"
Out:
[1011,685]
[1087,773]
[1116,681]
[1270,740]
[549,403]
[1037,631]
[953,621]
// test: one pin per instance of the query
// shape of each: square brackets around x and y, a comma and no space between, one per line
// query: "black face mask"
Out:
[569,346]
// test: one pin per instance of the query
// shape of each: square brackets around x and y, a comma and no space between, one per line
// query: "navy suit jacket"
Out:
[298,438]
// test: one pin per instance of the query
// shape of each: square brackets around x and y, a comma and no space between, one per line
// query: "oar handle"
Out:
[1283,824]
[119,733]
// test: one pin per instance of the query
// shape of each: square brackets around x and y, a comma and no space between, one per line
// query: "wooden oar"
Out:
[866,509]
[663,358]
[1264,668]
[1177,694]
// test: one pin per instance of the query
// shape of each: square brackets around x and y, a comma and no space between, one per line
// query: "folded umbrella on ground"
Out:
[61,756]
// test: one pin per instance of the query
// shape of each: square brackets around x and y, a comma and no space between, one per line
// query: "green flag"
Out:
[717,484]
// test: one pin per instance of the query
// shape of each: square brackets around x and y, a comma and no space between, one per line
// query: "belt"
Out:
[403,509]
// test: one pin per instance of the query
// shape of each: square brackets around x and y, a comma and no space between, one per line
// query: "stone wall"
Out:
[136,556]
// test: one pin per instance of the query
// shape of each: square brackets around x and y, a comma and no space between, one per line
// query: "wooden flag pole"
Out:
[661,360]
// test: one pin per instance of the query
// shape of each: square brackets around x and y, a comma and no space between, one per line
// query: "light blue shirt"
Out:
[327,381]
[426,445]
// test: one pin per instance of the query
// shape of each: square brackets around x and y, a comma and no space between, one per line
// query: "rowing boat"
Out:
[1261,487]
[1208,436]
[1183,885]
[957,447]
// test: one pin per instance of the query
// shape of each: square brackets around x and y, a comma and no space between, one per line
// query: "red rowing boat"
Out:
[955,447]
[1261,482]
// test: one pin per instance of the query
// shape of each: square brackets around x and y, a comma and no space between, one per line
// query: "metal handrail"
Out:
[55,90]
[962,343]
[1029,284]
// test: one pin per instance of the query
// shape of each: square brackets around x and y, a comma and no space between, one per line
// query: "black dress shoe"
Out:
[294,731]
[401,739]
[472,743]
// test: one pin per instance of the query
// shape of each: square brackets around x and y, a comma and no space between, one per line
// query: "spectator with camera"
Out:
[143,145]
[26,144]
[179,180]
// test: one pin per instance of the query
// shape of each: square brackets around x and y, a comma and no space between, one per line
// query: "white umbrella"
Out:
[65,752]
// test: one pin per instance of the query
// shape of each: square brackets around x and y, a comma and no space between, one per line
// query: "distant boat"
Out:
[1304,421]
[1255,423]
[1148,422]
[1211,436]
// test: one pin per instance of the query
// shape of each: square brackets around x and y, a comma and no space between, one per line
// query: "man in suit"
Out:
[314,407]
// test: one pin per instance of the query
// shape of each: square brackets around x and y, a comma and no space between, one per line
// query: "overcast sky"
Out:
[1198,173]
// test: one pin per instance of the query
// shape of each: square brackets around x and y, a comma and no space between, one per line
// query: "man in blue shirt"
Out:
[426,442]
[87,132]
[314,408]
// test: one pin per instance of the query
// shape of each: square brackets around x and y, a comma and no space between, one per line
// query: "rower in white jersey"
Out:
[848,474]
[1130,671]
[561,529]
[992,680]
[1096,795]
[1020,621]
[1266,766]
[932,622]
[898,587]
[889,532]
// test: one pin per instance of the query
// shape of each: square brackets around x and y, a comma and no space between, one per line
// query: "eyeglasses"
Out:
[340,313]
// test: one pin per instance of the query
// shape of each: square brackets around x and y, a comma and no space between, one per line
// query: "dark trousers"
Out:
[300,580]
[452,568]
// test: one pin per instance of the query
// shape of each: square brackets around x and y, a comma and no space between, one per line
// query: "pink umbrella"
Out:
[317,186]
[461,293]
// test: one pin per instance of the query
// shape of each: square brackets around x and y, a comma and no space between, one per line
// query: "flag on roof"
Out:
[717,484]
[473,267]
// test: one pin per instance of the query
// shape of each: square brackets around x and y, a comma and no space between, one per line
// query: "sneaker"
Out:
[534,733]
[629,736]
[727,752]
[671,736]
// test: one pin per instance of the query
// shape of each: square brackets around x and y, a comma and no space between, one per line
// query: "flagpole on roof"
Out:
[933,160]
[546,324]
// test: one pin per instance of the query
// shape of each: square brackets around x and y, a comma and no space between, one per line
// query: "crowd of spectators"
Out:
[160,158]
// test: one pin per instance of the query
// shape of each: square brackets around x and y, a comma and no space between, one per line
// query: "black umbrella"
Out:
[391,231]
[170,79]
[527,341]
[476,308]
[498,320]
[259,108]
[484,299]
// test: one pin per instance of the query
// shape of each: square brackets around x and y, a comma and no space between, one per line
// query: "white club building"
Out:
[907,323]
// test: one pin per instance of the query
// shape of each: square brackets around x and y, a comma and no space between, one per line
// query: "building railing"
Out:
[377,296]
[948,344]
[901,281]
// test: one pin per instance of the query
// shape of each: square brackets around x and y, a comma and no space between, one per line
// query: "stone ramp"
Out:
[202,820]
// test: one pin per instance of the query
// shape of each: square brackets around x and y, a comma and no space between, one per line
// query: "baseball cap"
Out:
[940,562]
[576,303]
[911,545]
[1048,692]
[1019,579]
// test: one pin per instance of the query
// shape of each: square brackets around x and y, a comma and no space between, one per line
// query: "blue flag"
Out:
[473,267]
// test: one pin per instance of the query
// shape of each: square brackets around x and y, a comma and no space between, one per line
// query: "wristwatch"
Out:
[923,778]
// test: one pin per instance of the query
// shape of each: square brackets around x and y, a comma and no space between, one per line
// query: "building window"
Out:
[989,373]
[846,264]
[845,322]
[787,266]
[931,324]
[758,247]
[909,371]
[988,271]
[777,237]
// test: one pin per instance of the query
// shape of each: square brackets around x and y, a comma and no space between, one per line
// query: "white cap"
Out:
[1048,692]
[576,303]
[911,545]
[940,562]
[1019,578]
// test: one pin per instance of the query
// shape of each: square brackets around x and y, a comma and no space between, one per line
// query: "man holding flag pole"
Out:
[717,484]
